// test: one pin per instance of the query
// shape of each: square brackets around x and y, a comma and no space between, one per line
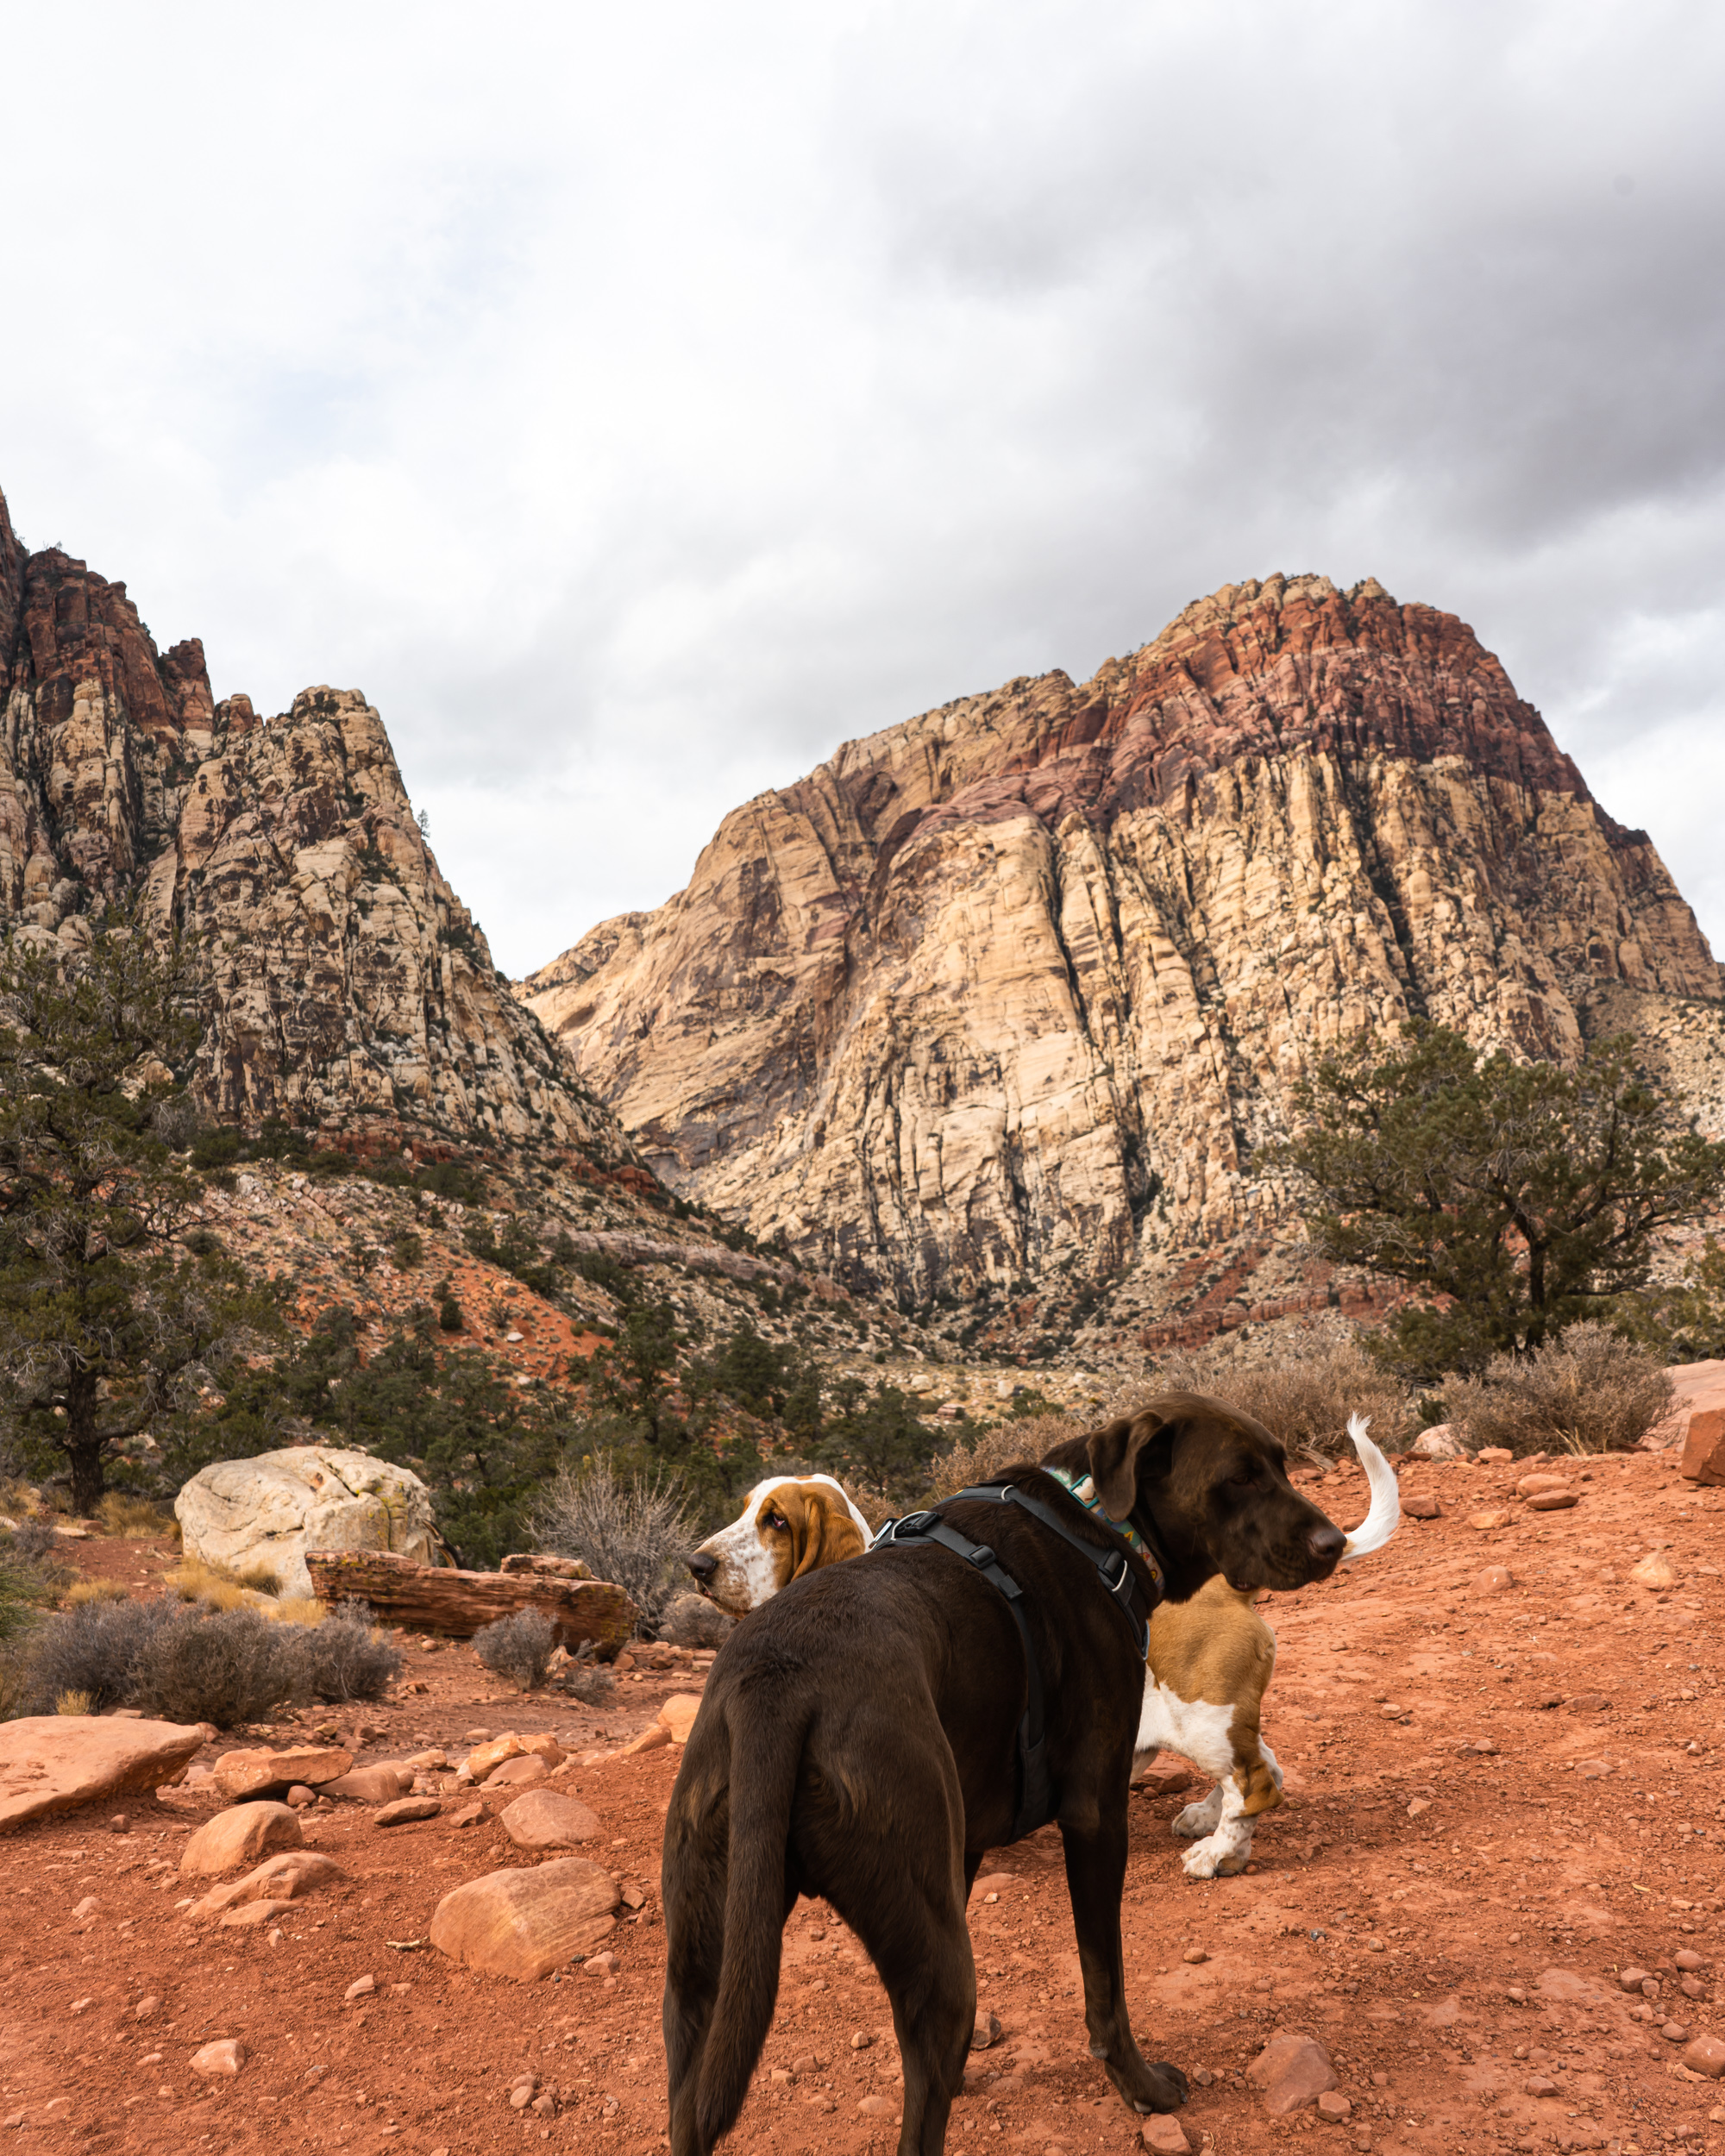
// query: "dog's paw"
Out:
[1212,1860]
[1168,2090]
[1195,1819]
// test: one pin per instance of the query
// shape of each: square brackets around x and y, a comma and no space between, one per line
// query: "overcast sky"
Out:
[638,402]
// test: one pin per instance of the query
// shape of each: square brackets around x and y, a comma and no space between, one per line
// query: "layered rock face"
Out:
[1016,989]
[343,979]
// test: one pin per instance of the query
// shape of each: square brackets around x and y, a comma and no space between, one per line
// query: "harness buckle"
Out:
[982,1555]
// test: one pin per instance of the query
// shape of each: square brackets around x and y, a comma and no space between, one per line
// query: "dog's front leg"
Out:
[1096,1874]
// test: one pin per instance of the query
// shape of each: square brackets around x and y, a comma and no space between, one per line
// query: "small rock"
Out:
[360,1987]
[368,1785]
[1487,1522]
[1532,1485]
[678,1715]
[545,1819]
[1164,1778]
[1588,1703]
[280,1879]
[517,1774]
[1631,1979]
[404,1809]
[1291,2071]
[1691,1987]
[1554,1500]
[467,1816]
[119,1824]
[692,1622]
[85,1909]
[1654,1573]
[1675,2033]
[299,1797]
[81,2006]
[223,2059]
[1165,2134]
[147,2008]
[487,1755]
[1418,1804]
[524,1923]
[1420,1504]
[1687,1959]
[651,1739]
[605,1964]
[861,2040]
[875,2108]
[1495,1579]
[1194,1955]
[986,2031]
[1441,1442]
[242,1835]
[1491,1455]
[1333,2104]
[1706,2055]
[254,1915]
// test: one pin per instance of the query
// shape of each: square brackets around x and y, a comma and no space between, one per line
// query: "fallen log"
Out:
[435,1598]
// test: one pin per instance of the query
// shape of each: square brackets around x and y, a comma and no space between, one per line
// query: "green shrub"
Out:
[1591,1391]
[517,1648]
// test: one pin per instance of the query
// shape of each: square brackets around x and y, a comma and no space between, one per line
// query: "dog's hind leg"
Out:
[693,1884]
[1096,1874]
[1226,1847]
[905,1903]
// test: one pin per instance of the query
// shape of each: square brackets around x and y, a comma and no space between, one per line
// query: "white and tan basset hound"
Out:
[790,1524]
[1210,1662]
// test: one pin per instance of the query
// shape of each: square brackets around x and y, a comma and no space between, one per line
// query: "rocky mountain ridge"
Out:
[343,982]
[1006,997]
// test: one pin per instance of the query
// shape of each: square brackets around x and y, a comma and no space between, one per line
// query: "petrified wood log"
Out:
[436,1599]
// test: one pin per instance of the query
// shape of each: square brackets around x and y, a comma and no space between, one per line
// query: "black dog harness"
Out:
[1036,1799]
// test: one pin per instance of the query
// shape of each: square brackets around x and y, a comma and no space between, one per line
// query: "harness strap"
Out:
[1114,1567]
[1036,1804]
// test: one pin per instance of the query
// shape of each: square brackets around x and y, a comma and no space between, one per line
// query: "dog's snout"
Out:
[1325,1543]
[704,1565]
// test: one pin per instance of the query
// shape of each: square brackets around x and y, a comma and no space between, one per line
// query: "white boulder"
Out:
[271,1510]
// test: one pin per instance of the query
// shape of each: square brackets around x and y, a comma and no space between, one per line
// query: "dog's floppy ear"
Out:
[822,1529]
[1114,1459]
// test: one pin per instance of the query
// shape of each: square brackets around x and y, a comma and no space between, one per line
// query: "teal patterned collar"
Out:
[1081,1487]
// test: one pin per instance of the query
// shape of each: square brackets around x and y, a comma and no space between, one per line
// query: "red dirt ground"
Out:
[1446,1960]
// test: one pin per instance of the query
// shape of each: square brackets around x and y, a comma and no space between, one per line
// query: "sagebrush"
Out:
[1591,1391]
[585,1677]
[517,1648]
[633,1532]
[191,1665]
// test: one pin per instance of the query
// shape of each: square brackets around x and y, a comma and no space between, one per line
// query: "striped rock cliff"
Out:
[343,980]
[1013,992]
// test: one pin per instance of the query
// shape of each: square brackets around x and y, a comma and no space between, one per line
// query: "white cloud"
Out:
[635,403]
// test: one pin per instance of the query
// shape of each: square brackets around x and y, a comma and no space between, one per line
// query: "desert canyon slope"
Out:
[1013,990]
[344,983]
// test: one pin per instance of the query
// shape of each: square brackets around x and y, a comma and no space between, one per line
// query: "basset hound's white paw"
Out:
[1217,1857]
[1198,1818]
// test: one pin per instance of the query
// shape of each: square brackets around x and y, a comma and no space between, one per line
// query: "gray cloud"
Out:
[639,405]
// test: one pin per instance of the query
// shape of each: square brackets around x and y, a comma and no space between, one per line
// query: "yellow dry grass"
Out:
[74,1703]
[124,1515]
[95,1591]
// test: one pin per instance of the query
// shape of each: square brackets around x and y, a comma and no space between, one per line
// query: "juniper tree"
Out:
[108,1320]
[1518,1197]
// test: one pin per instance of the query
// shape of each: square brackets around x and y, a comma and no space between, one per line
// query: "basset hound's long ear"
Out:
[822,1529]
[1114,1458]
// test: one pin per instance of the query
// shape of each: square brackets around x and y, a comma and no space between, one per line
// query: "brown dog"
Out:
[859,1742]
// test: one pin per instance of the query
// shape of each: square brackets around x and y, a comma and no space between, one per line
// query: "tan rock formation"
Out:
[346,983]
[1017,986]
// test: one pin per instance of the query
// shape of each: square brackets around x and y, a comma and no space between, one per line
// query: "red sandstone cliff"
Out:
[1013,990]
[343,979]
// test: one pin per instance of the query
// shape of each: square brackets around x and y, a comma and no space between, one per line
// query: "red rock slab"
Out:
[240,1775]
[524,1923]
[368,1785]
[518,1774]
[54,1763]
[1703,1447]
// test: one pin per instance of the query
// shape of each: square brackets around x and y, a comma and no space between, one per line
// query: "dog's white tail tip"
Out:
[1385,1515]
